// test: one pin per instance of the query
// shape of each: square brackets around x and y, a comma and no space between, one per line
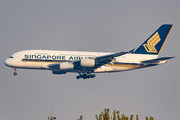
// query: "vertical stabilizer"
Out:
[155,42]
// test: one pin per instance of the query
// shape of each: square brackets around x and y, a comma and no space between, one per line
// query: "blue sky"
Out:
[103,26]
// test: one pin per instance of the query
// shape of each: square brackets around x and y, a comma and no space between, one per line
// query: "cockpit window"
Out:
[10,56]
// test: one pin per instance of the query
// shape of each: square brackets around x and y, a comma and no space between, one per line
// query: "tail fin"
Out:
[155,42]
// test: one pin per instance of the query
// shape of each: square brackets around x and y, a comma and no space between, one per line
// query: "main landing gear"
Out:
[86,76]
[15,73]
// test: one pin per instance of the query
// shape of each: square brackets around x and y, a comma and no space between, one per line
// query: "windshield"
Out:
[10,56]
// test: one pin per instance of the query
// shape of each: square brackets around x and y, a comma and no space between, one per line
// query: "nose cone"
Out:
[8,62]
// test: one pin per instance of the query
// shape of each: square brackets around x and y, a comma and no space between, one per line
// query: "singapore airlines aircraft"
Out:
[88,63]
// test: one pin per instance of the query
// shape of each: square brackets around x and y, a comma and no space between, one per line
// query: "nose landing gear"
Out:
[86,76]
[15,73]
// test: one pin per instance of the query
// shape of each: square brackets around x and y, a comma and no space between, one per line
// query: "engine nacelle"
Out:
[87,62]
[65,66]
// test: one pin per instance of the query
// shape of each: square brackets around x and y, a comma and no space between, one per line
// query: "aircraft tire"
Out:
[88,76]
[93,76]
[84,76]
[15,73]
[77,77]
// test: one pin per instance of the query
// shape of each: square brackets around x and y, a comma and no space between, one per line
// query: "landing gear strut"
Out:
[86,76]
[15,73]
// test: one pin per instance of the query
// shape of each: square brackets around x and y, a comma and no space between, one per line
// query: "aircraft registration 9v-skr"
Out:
[88,63]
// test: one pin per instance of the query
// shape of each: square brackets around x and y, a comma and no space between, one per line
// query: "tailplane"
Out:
[155,42]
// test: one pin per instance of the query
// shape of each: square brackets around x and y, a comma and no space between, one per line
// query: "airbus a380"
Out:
[88,63]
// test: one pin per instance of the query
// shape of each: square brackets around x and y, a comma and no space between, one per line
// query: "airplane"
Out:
[86,64]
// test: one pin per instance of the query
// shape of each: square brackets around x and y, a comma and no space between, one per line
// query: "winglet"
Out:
[155,42]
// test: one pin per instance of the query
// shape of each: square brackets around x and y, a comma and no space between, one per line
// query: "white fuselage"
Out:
[41,59]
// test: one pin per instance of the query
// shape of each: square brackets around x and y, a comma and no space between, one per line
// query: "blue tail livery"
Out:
[155,42]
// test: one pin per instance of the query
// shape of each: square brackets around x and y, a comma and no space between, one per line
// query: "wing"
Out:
[101,60]
[98,61]
[91,63]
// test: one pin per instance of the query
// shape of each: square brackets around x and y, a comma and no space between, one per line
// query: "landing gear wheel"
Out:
[86,76]
[93,76]
[77,77]
[15,73]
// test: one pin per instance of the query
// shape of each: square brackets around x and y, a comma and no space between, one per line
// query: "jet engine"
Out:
[65,66]
[87,62]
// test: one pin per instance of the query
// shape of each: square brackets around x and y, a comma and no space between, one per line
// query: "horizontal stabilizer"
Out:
[157,60]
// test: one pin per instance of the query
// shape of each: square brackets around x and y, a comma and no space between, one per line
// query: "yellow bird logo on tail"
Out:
[151,43]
